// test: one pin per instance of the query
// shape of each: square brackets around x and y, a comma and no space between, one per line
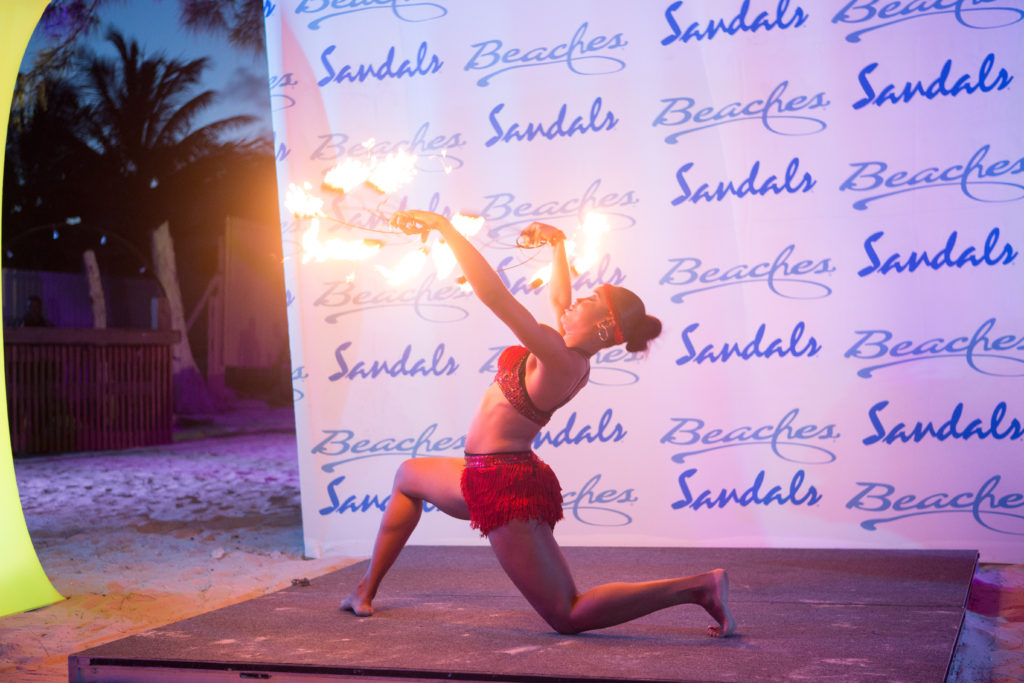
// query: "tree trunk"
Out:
[191,396]
[99,304]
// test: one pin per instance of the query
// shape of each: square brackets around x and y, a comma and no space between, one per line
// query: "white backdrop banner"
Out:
[822,201]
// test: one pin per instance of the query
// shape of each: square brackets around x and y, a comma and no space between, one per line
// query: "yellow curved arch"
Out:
[23,583]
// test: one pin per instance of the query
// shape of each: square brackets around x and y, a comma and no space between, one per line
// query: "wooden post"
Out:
[215,331]
[99,303]
[191,395]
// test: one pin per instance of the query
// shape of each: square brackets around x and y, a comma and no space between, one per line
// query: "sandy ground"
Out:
[141,538]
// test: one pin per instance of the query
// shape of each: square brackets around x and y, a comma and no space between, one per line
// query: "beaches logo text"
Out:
[278,82]
[413,11]
[433,151]
[583,55]
[873,15]
[983,352]
[430,300]
[786,438]
[507,214]
[778,113]
[783,276]
[988,505]
[970,177]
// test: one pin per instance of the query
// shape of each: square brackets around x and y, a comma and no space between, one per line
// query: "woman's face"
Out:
[584,313]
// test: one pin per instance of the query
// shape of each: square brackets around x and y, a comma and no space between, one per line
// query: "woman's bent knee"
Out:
[562,623]
[561,619]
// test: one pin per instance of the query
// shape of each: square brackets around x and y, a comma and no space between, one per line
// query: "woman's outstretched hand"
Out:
[415,222]
[538,234]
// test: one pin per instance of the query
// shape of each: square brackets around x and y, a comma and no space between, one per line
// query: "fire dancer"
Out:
[501,486]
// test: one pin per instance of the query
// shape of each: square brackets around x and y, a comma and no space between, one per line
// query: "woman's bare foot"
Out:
[359,606]
[716,602]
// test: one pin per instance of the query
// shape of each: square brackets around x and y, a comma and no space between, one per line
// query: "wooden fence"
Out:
[85,389]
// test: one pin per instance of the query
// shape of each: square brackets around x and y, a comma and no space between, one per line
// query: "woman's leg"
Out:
[530,556]
[435,480]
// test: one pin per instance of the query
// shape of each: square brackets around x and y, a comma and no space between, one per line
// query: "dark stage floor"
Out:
[451,613]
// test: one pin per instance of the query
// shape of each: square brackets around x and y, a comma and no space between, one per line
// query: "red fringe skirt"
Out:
[500,487]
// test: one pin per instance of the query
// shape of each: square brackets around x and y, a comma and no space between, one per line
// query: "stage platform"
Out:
[450,613]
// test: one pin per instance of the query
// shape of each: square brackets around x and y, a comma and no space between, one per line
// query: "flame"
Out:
[335,249]
[467,225]
[444,259]
[301,203]
[542,276]
[385,175]
[594,226]
[347,175]
[410,265]
[393,171]
[441,253]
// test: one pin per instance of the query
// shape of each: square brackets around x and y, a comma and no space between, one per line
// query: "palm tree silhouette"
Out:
[117,143]
[140,125]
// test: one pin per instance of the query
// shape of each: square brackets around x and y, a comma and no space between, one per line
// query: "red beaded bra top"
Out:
[511,379]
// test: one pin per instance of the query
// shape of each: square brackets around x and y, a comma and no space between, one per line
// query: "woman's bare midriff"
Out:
[497,427]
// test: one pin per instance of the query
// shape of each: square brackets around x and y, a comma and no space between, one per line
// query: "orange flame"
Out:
[347,175]
[335,249]
[593,228]
[393,171]
[301,203]
[411,264]
[444,259]
[441,253]
[467,225]
[595,225]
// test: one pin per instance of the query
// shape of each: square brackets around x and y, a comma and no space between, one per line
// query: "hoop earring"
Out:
[604,330]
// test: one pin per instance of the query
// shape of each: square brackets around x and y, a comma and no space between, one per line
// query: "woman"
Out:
[501,486]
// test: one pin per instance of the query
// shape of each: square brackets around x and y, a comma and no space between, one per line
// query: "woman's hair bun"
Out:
[646,329]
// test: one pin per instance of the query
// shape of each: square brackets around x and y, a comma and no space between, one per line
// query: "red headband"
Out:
[606,296]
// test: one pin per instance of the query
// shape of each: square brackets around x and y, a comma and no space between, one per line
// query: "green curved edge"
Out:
[23,583]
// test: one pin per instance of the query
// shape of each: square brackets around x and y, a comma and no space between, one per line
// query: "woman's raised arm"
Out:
[543,341]
[560,285]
